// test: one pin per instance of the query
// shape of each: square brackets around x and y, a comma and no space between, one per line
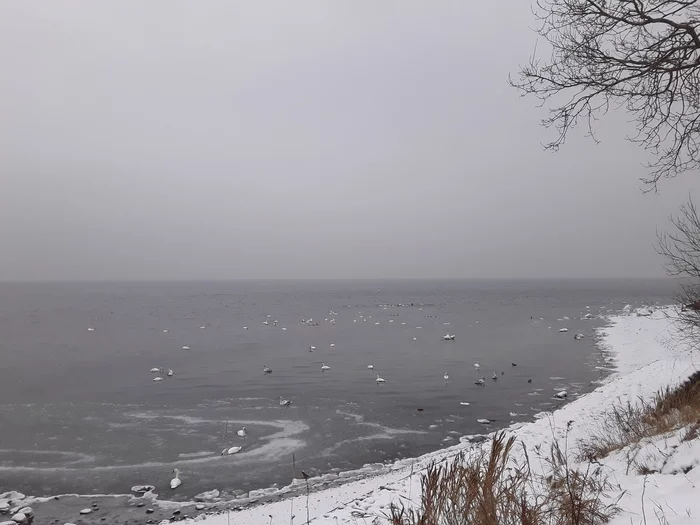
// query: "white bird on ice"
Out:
[176,481]
[380,380]
[370,367]
[242,432]
[324,366]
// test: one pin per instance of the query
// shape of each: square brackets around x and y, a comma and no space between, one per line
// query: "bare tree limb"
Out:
[643,55]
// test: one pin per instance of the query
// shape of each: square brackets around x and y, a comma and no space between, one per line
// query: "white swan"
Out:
[170,372]
[562,394]
[476,365]
[380,380]
[324,366]
[332,345]
[202,327]
[165,331]
[232,450]
[448,337]
[494,376]
[176,481]
[242,432]
[483,421]
[155,370]
[370,367]
[156,379]
[185,347]
[445,377]
[266,322]
[284,402]
[464,403]
[90,329]
[245,328]
[267,370]
[312,348]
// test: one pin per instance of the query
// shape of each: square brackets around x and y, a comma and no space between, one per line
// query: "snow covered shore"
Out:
[648,358]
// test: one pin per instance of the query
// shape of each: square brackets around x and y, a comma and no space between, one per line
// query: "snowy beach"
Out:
[648,358]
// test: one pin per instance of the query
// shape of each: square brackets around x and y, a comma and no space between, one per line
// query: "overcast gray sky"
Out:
[231,139]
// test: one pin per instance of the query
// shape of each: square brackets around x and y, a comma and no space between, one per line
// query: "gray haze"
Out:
[231,139]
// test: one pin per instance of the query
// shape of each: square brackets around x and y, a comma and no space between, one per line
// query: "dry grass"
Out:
[627,425]
[493,488]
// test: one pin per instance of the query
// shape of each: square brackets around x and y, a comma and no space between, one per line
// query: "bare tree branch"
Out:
[643,55]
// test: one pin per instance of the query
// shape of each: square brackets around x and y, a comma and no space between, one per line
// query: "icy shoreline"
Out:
[647,360]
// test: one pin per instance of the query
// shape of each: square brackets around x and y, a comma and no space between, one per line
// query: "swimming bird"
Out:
[312,348]
[155,370]
[202,327]
[514,364]
[370,367]
[562,394]
[284,329]
[165,331]
[185,347]
[380,380]
[445,377]
[156,379]
[529,380]
[176,481]
[232,450]
[245,328]
[90,329]
[170,372]
[480,381]
[494,376]
[464,403]
[267,370]
[483,421]
[266,322]
[324,366]
[242,432]
[476,365]
[284,402]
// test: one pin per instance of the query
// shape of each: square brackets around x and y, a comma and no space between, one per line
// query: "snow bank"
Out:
[647,360]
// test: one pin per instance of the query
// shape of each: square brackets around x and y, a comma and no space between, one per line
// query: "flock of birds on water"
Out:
[161,372]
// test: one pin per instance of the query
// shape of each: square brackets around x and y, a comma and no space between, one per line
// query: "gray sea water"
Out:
[80,412]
